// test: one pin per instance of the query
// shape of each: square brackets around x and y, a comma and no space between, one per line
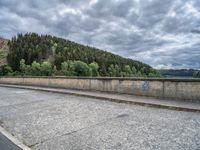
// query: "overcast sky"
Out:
[161,33]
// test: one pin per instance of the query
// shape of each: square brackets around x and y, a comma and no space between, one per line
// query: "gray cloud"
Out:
[162,33]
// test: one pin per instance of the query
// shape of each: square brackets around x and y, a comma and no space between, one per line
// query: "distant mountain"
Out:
[4,49]
[33,47]
[177,73]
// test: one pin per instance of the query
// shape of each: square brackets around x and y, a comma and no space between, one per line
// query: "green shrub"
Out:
[81,68]
[35,69]
[94,69]
[5,70]
[28,70]
[46,69]
[68,68]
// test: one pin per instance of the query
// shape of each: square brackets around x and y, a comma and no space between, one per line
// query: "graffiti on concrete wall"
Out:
[145,86]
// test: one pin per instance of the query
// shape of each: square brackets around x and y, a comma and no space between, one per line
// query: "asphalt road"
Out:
[6,144]
[52,121]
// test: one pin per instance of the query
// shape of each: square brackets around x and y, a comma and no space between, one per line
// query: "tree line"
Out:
[61,53]
[69,68]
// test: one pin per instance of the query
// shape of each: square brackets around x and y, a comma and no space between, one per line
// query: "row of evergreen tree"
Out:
[33,47]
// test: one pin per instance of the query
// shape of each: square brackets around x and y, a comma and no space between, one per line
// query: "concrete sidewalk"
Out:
[120,98]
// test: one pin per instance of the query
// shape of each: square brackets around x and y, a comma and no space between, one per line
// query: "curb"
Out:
[105,98]
[13,139]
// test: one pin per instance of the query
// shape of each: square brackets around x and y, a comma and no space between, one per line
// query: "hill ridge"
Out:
[34,47]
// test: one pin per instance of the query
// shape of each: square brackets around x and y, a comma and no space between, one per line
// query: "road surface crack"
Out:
[88,127]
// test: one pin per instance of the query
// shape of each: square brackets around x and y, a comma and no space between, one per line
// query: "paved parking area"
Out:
[49,121]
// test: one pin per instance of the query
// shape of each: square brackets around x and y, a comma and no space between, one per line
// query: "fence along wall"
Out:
[184,89]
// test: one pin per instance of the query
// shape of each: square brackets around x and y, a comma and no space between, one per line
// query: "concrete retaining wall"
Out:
[184,89]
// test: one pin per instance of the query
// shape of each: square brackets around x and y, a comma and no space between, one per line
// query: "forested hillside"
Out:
[179,73]
[66,57]
[196,74]
[3,50]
